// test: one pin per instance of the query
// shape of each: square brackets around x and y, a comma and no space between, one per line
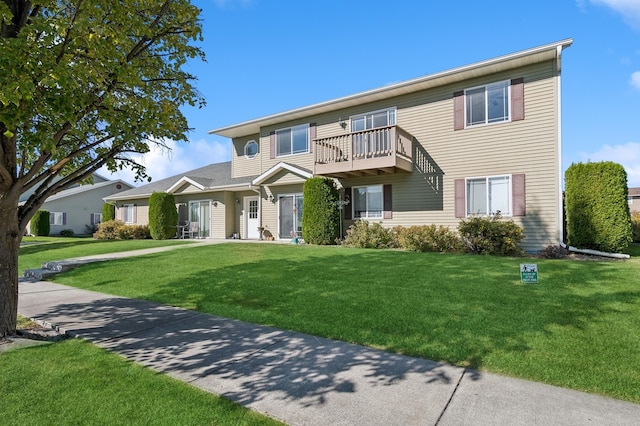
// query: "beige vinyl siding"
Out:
[442,154]
[528,146]
[141,210]
[242,166]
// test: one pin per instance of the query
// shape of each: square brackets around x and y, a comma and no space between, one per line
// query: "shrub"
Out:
[362,234]
[635,226]
[597,208]
[40,225]
[163,215]
[320,216]
[108,212]
[427,238]
[118,230]
[66,233]
[491,235]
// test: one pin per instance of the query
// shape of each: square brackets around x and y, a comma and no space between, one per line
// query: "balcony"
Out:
[383,150]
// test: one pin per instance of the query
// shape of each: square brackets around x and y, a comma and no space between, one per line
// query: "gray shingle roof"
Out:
[212,177]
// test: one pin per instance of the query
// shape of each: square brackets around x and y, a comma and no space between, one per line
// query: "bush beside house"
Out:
[163,215]
[118,230]
[481,235]
[320,216]
[596,206]
[40,224]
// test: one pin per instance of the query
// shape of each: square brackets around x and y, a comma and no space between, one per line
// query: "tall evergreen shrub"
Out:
[108,212]
[596,206]
[40,225]
[163,215]
[320,216]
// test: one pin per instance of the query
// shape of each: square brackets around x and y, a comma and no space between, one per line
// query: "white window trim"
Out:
[490,213]
[507,83]
[353,203]
[257,149]
[307,126]
[354,117]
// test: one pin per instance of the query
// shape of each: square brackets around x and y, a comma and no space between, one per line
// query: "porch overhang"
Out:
[281,166]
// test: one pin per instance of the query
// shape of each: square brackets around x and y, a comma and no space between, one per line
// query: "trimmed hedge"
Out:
[108,212]
[163,215]
[320,216]
[597,207]
[40,224]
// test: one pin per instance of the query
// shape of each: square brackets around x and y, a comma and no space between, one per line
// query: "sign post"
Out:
[529,273]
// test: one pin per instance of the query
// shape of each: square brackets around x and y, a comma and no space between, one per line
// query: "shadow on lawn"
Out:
[241,361]
[455,308]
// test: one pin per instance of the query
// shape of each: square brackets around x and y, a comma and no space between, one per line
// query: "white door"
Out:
[252,219]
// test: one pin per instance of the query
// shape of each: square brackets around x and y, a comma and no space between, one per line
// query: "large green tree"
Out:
[84,84]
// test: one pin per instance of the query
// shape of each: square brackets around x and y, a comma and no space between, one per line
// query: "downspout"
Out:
[560,203]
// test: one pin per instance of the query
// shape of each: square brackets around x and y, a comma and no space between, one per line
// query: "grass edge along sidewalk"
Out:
[575,328]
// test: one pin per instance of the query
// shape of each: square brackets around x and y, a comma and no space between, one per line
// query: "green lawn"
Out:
[577,328]
[75,383]
[35,250]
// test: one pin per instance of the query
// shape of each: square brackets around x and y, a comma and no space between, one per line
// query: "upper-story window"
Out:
[251,149]
[371,120]
[293,140]
[487,104]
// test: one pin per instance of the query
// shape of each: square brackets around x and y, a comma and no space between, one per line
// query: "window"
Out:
[367,202]
[57,218]
[128,213]
[294,140]
[96,218]
[487,104]
[371,120]
[489,195]
[251,149]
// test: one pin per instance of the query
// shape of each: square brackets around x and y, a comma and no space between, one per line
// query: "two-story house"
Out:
[477,139]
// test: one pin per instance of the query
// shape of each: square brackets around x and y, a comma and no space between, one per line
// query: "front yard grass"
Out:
[35,250]
[74,382]
[577,328]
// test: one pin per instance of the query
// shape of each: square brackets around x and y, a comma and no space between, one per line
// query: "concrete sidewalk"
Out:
[306,380]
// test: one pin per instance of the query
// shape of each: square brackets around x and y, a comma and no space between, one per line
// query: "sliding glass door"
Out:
[290,215]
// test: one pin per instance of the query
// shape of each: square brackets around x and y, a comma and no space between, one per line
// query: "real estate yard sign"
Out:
[529,272]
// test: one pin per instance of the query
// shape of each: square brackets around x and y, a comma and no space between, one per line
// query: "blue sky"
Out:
[268,56]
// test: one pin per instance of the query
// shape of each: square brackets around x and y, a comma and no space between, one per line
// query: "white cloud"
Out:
[162,163]
[629,9]
[627,154]
[635,80]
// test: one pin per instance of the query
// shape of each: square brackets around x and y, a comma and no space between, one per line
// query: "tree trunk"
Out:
[10,237]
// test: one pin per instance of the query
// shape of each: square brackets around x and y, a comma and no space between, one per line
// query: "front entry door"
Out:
[252,218]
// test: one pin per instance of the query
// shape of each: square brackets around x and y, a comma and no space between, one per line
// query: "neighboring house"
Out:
[634,199]
[79,208]
[478,139]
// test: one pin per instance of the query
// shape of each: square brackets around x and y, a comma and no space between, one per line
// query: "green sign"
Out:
[529,272]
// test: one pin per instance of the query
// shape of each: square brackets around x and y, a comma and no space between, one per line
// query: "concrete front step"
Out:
[50,269]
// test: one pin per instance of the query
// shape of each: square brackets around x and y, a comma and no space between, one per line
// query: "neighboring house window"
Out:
[57,218]
[487,104]
[489,195]
[367,202]
[128,213]
[96,218]
[293,140]
[251,149]
[371,120]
